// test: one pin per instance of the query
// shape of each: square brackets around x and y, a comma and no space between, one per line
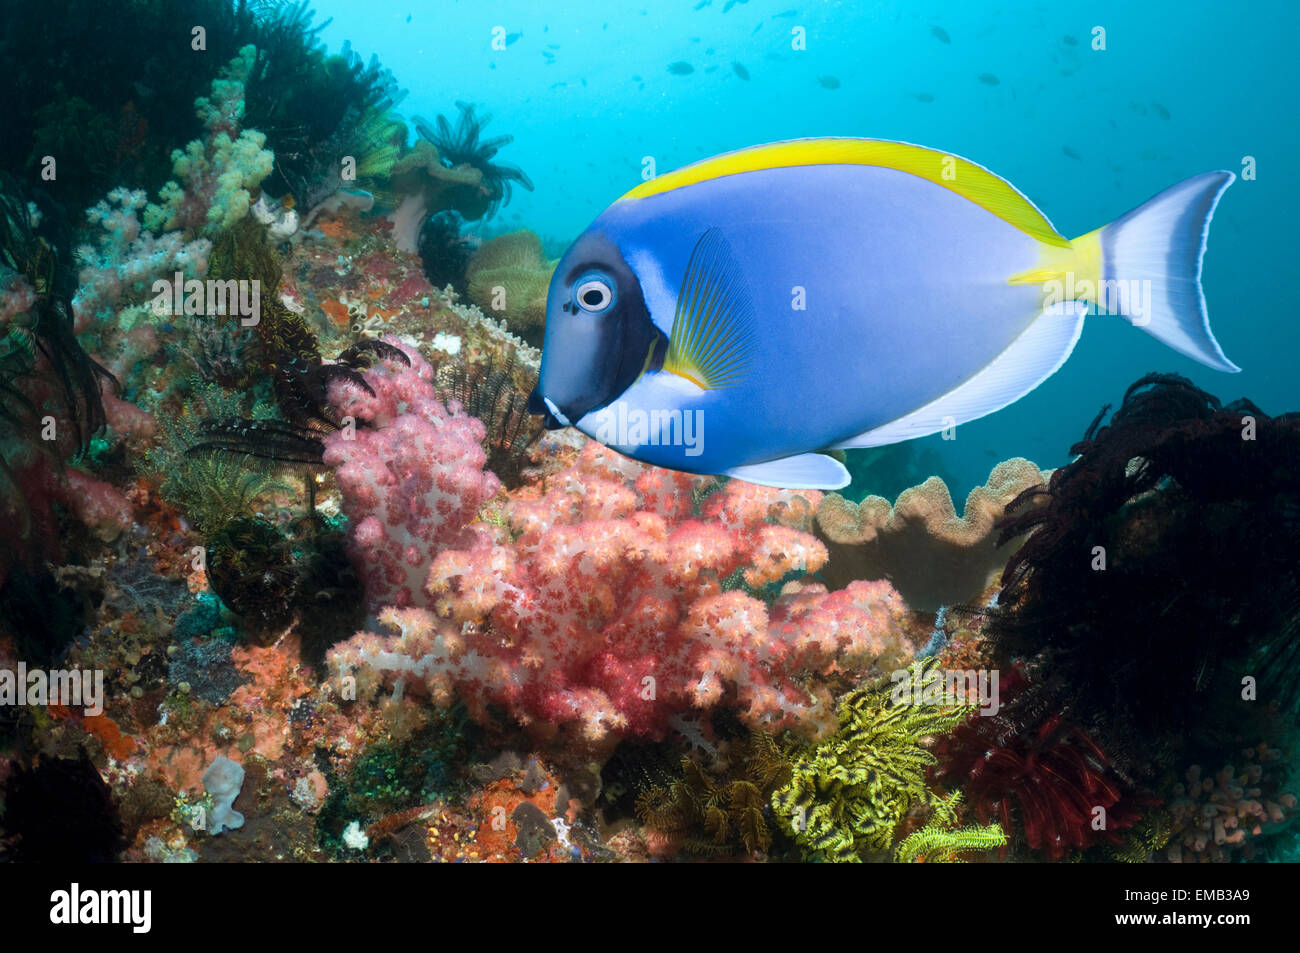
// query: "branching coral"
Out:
[848,794]
[137,243]
[117,109]
[127,259]
[608,609]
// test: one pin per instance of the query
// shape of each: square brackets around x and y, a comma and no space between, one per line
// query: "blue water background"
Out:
[1225,77]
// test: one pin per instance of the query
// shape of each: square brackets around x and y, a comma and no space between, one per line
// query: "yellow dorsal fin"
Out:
[992,193]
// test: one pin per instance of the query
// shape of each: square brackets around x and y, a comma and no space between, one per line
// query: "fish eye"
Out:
[594,294]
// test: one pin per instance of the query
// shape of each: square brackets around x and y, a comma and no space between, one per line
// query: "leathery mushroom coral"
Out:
[427,186]
[932,556]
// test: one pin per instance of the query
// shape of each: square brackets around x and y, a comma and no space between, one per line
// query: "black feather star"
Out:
[274,440]
[299,439]
[463,145]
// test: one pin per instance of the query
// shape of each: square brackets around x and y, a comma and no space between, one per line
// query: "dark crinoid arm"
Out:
[46,331]
[275,440]
[303,386]
[306,384]
[363,354]
[78,374]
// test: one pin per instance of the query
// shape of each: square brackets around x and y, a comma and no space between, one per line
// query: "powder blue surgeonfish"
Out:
[743,313]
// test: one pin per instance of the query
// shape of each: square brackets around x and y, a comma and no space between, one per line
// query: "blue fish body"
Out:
[770,304]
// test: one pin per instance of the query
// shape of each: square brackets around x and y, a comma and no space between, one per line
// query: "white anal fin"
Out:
[805,471]
[1029,360]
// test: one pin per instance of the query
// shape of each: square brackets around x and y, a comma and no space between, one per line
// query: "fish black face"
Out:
[599,336]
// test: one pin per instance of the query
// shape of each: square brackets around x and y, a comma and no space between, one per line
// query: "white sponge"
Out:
[222,781]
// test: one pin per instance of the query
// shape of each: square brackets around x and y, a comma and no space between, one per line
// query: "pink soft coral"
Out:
[412,481]
[605,608]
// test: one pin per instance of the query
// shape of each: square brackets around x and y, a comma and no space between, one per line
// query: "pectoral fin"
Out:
[713,329]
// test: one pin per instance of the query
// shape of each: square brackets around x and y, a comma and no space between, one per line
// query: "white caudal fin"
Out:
[1151,260]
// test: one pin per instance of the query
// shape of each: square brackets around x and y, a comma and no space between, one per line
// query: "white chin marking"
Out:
[555,412]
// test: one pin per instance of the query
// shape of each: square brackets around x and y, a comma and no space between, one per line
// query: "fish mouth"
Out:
[556,413]
[556,419]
